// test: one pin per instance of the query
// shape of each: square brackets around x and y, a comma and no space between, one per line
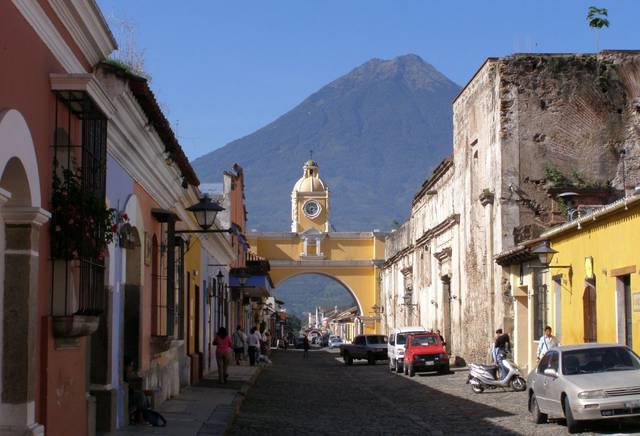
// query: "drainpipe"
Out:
[486,199]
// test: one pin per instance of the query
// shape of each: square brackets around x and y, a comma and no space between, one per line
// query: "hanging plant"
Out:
[81,224]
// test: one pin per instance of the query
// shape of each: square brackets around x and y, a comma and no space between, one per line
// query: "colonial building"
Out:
[521,121]
[580,278]
[98,268]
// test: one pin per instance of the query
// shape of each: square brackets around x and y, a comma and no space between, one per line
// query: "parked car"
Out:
[396,348]
[584,382]
[425,352]
[335,341]
[299,342]
[365,347]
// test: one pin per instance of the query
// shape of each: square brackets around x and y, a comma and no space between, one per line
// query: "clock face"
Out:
[311,209]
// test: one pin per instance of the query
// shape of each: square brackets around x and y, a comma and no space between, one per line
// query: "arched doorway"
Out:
[20,220]
[321,303]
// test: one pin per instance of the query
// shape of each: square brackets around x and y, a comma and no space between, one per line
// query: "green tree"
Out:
[597,18]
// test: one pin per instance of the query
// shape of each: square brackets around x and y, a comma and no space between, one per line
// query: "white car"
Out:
[335,341]
[395,349]
[585,382]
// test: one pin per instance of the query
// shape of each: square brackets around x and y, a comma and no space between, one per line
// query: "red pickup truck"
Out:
[425,352]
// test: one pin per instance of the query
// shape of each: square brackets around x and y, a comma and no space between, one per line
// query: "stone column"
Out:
[20,318]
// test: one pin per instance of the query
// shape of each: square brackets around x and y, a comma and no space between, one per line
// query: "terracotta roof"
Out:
[142,92]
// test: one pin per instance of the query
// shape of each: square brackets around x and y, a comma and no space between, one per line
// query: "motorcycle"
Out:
[483,377]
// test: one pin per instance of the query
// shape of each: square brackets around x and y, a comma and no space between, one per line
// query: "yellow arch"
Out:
[351,259]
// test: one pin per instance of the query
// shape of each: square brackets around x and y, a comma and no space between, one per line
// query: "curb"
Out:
[239,398]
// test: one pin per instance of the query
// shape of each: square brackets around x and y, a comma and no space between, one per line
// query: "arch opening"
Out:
[318,300]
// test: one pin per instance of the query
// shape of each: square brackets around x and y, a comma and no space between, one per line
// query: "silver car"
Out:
[585,382]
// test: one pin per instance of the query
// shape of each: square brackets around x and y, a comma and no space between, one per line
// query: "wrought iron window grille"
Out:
[79,174]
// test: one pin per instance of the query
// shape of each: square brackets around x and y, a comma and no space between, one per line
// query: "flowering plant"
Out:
[81,224]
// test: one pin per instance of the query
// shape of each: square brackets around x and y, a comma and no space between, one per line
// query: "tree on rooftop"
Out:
[597,18]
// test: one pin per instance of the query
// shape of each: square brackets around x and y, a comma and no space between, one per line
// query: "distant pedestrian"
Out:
[305,347]
[238,341]
[265,348]
[254,343]
[547,342]
[222,341]
[441,338]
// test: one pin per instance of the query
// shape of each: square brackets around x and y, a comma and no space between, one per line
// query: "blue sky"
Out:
[223,69]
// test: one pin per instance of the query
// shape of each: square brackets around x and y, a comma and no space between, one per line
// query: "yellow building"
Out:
[351,258]
[590,290]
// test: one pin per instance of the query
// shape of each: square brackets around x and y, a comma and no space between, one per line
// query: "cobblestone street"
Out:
[321,395]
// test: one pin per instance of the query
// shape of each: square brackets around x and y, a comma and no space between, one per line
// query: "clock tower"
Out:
[310,202]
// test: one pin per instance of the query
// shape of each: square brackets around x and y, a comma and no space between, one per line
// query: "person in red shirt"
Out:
[222,341]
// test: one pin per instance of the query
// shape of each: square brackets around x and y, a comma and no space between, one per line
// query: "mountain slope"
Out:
[376,133]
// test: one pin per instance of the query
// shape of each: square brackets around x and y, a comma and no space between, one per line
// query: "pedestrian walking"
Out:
[238,341]
[546,342]
[265,348]
[254,343]
[222,341]
[305,347]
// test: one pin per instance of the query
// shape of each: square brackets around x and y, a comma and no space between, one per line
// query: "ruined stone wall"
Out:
[574,112]
[477,161]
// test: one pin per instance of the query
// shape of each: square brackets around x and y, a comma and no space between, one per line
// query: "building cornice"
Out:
[126,134]
[25,215]
[89,30]
[46,30]
[438,173]
[398,255]
[323,263]
[84,82]
[442,227]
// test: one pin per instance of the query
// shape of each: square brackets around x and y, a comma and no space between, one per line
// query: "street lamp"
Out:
[205,212]
[243,275]
[544,252]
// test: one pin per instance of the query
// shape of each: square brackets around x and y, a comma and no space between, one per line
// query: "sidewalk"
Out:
[205,409]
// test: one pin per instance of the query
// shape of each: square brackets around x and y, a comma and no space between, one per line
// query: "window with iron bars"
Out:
[81,222]
[541,305]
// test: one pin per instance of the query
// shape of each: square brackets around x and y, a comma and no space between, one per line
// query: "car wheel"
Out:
[397,367]
[537,416]
[348,360]
[412,371]
[573,426]
[477,388]
[518,384]
[370,359]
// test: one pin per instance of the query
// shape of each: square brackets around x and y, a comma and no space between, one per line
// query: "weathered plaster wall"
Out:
[476,155]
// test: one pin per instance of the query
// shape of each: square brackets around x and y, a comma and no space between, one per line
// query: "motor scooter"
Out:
[483,377]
